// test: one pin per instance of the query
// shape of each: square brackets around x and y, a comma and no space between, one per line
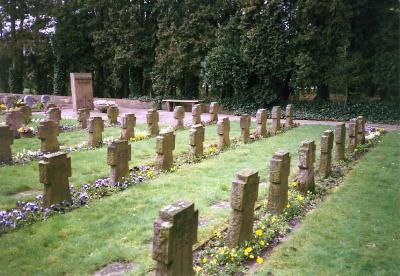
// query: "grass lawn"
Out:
[63,121]
[356,231]
[120,227]
[88,166]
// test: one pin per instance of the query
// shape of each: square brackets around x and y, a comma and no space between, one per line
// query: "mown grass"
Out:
[356,231]
[120,228]
[88,166]
[64,121]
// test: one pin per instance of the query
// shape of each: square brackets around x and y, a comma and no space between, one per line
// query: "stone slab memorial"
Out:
[175,233]
[54,171]
[6,140]
[96,128]
[54,114]
[165,144]
[112,114]
[361,130]
[325,160]
[245,123]
[48,132]
[179,115]
[340,141]
[305,179]
[244,195]
[196,140]
[279,171]
[353,137]
[128,126]
[152,118]
[276,119]
[289,116]
[196,114]
[14,119]
[118,157]
[83,117]
[214,110]
[29,100]
[261,119]
[223,129]
[81,90]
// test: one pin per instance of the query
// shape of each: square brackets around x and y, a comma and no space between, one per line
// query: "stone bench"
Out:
[171,103]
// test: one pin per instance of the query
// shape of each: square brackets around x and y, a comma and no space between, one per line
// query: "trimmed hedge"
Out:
[377,111]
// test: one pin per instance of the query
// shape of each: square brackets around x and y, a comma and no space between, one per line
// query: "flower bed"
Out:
[214,258]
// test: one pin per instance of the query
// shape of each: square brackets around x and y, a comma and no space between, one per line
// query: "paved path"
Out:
[166,117]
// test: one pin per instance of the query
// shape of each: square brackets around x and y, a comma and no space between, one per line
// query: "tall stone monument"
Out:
[82,90]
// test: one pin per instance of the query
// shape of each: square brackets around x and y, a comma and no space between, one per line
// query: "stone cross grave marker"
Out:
[82,90]
[244,195]
[8,101]
[152,118]
[279,171]
[340,141]
[112,114]
[325,161]
[96,128]
[54,114]
[54,171]
[47,133]
[83,116]
[14,119]
[353,141]
[305,180]
[276,119]
[175,233]
[6,140]
[26,113]
[196,114]
[165,146]
[179,115]
[29,100]
[361,130]
[118,157]
[214,110]
[223,128]
[289,116]
[245,122]
[196,140]
[261,118]
[45,99]
[128,126]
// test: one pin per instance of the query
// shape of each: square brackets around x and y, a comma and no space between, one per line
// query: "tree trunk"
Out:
[323,92]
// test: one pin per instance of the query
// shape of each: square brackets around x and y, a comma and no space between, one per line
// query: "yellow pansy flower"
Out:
[205,260]
[259,232]
[260,260]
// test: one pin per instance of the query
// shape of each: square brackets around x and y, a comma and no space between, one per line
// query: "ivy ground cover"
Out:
[356,231]
[120,227]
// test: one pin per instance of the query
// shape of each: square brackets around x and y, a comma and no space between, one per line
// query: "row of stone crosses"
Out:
[175,230]
[48,129]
